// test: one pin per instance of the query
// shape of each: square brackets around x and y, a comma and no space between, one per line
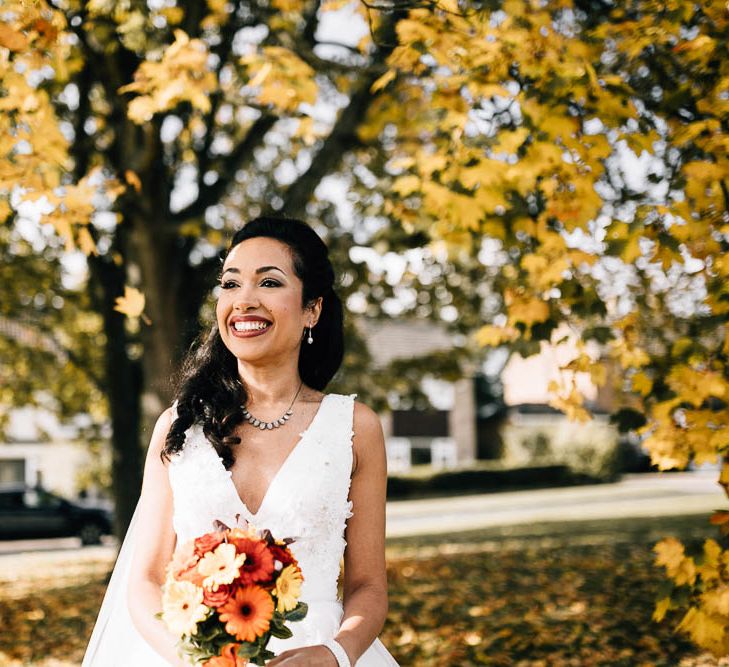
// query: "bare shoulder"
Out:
[365,418]
[159,434]
[368,440]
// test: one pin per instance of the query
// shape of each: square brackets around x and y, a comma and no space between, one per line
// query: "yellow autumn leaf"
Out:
[492,336]
[666,452]
[406,185]
[670,552]
[181,75]
[544,271]
[5,209]
[509,141]
[709,566]
[631,251]
[289,5]
[705,629]
[173,15]
[724,475]
[704,171]
[716,601]
[560,125]
[383,81]
[695,386]
[12,39]
[642,383]
[260,76]
[283,80]
[662,606]
[572,404]
[133,180]
[86,242]
[131,304]
[306,131]
[527,309]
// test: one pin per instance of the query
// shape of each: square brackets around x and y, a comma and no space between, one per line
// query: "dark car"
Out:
[32,512]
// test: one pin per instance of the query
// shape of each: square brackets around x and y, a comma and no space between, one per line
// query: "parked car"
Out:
[33,512]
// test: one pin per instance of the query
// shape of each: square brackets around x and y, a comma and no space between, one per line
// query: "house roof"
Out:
[388,340]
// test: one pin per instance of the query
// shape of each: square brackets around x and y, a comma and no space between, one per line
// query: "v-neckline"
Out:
[302,438]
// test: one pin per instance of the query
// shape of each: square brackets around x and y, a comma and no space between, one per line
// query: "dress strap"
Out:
[350,418]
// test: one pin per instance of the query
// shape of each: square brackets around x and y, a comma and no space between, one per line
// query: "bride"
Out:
[226,452]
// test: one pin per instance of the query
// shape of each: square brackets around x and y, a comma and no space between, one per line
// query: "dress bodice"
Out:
[307,499]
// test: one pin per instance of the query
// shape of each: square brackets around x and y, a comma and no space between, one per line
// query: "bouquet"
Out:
[227,592]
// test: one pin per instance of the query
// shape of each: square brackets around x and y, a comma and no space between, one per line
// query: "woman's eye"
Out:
[229,284]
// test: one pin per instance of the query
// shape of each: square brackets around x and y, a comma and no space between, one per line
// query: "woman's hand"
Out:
[306,656]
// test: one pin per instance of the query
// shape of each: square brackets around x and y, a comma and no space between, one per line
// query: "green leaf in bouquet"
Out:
[281,631]
[266,654]
[278,619]
[246,650]
[298,612]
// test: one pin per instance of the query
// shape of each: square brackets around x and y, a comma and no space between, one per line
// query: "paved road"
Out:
[644,495]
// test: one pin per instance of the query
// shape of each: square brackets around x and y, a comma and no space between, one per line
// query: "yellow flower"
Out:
[220,566]
[182,606]
[288,588]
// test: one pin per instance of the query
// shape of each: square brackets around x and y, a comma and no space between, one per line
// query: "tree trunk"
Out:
[124,378]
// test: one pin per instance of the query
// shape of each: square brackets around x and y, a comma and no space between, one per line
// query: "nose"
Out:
[244,298]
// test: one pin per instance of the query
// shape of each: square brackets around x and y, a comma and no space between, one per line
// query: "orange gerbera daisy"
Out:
[258,565]
[247,614]
[228,658]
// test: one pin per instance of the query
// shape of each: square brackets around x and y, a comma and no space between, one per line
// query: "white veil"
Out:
[115,640]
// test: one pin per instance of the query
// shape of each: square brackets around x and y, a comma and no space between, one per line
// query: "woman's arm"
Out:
[365,574]
[154,544]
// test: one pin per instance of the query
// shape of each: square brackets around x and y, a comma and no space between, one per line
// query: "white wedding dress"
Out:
[307,499]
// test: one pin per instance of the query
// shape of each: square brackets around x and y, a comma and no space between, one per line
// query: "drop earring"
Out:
[310,340]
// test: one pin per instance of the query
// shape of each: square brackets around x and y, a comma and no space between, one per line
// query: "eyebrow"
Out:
[260,269]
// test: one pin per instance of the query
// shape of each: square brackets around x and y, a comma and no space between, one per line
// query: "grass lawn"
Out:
[578,593]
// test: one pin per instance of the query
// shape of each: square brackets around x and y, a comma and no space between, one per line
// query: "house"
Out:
[459,431]
[39,450]
[446,436]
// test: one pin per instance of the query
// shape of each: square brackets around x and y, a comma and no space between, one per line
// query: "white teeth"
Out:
[249,326]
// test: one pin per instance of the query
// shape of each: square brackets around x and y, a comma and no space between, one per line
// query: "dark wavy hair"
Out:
[208,387]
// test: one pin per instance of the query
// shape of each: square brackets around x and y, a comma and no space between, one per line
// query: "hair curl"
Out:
[208,387]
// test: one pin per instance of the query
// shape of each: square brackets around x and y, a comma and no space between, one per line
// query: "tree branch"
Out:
[341,137]
[228,167]
[222,50]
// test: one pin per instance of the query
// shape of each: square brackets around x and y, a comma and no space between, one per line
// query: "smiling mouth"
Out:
[250,326]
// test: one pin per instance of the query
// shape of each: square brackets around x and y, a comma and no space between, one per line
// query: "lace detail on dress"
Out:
[308,498]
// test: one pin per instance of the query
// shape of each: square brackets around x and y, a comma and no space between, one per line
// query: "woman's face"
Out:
[258,283]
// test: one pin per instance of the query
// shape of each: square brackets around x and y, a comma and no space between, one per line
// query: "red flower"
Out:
[282,554]
[220,597]
[258,565]
[208,542]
